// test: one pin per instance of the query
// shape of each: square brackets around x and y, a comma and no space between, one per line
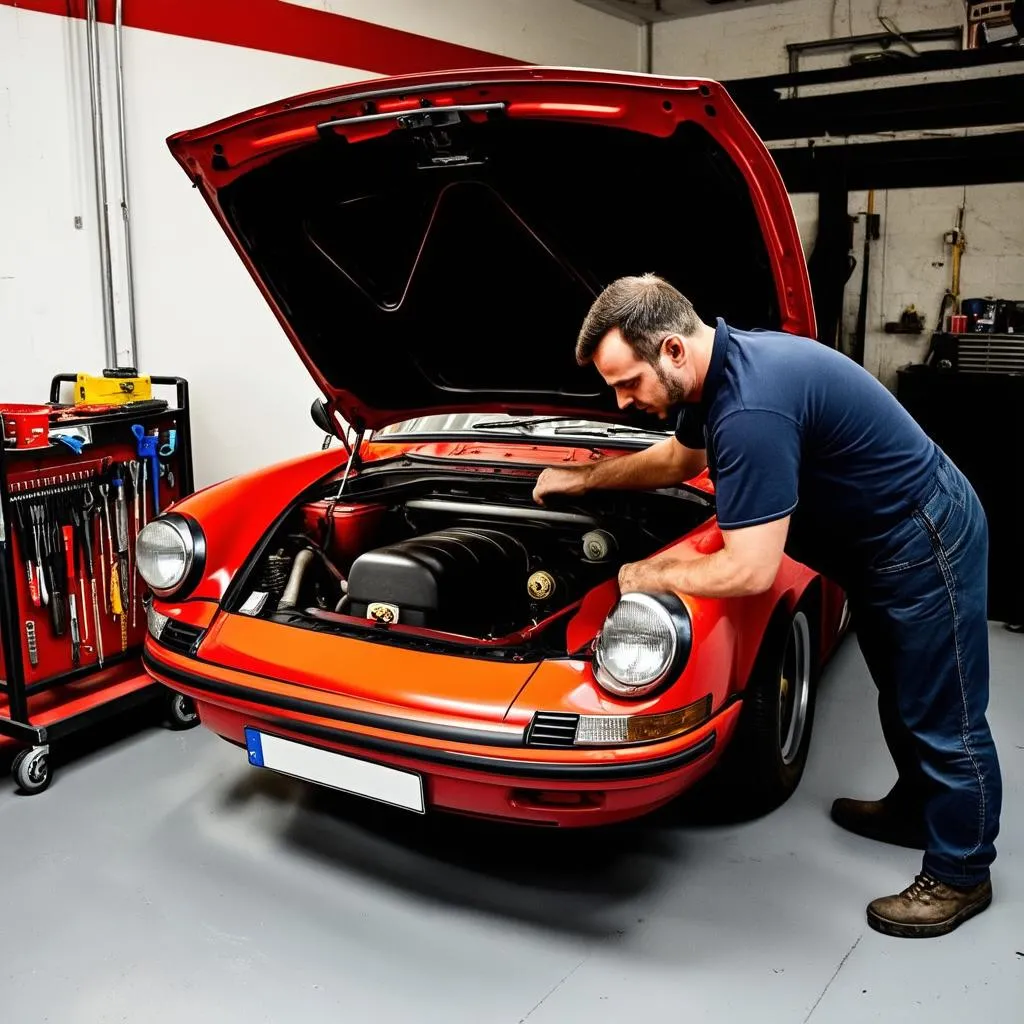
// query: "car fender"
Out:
[230,533]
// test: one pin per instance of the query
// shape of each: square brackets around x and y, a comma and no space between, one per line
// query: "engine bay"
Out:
[474,559]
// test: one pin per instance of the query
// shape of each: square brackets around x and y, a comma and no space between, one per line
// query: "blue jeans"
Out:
[920,609]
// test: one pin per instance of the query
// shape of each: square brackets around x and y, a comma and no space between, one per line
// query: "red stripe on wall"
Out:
[278,27]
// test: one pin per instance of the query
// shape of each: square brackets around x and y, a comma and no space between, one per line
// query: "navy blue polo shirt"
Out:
[792,427]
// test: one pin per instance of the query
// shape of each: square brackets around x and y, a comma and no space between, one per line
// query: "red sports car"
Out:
[398,618]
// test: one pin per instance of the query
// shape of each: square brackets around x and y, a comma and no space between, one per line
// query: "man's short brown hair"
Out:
[645,309]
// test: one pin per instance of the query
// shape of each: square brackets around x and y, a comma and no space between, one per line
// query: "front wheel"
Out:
[767,754]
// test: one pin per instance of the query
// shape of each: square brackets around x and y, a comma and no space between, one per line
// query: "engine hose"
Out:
[290,597]
[322,555]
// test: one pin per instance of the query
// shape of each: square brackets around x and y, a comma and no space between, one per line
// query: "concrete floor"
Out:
[161,879]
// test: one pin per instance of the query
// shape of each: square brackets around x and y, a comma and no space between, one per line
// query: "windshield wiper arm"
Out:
[523,424]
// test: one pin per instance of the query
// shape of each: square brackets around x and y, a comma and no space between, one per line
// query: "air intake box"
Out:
[462,580]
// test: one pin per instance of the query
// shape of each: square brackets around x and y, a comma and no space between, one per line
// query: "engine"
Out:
[485,563]
[465,576]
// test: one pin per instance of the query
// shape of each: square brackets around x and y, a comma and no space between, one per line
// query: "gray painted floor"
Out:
[161,879]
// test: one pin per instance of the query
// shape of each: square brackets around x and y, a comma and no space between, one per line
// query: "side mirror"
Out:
[318,411]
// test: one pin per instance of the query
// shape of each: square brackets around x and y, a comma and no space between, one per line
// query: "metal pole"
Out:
[99,164]
[124,182]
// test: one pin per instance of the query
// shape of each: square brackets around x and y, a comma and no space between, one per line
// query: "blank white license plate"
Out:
[339,771]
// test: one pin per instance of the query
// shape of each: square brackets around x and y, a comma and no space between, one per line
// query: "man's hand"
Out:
[560,481]
[640,576]
[746,565]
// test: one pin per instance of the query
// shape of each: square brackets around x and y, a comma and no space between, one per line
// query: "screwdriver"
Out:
[121,527]
[76,640]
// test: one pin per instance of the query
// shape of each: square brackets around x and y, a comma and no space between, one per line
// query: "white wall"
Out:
[199,315]
[909,262]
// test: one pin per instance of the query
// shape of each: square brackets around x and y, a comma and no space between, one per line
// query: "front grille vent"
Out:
[552,729]
[180,637]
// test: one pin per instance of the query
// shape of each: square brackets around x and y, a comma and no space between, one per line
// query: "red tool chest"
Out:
[71,501]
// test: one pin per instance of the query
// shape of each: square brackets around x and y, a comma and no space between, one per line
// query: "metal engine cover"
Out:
[462,580]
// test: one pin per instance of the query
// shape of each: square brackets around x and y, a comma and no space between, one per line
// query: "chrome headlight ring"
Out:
[645,642]
[170,554]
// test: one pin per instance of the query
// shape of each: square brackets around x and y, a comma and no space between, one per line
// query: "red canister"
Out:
[958,323]
[26,426]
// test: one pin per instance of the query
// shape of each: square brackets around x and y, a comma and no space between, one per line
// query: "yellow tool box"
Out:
[115,387]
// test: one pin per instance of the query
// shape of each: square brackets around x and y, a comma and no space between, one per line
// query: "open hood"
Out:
[432,243]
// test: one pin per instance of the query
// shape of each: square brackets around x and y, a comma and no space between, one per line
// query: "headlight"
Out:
[169,551]
[644,640]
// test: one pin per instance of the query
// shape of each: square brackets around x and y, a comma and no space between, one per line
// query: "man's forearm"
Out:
[716,575]
[654,467]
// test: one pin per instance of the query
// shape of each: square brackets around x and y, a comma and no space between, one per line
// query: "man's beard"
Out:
[675,391]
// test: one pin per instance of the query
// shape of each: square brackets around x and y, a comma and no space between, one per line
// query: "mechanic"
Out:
[812,456]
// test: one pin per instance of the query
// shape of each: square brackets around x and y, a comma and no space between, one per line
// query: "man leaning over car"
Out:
[811,455]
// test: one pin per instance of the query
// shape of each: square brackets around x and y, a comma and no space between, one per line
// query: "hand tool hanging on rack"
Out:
[48,531]
[133,468]
[104,494]
[121,525]
[69,557]
[87,512]
[79,539]
[26,550]
[146,446]
[35,514]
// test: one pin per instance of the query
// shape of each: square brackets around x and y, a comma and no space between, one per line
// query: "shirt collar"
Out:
[716,368]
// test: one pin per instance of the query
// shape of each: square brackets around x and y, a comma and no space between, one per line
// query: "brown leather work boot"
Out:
[881,820]
[927,908]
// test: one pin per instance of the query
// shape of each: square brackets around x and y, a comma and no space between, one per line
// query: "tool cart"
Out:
[78,480]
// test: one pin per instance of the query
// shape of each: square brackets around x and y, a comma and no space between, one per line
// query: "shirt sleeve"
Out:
[758,468]
[690,429]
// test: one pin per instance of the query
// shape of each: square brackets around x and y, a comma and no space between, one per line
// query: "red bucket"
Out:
[26,426]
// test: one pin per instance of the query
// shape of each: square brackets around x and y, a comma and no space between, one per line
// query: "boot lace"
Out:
[921,888]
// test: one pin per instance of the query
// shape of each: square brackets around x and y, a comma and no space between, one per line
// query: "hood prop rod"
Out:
[352,459]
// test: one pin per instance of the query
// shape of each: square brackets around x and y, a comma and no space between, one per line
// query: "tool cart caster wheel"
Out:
[31,770]
[181,712]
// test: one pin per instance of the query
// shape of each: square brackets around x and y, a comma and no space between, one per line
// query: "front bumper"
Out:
[476,771]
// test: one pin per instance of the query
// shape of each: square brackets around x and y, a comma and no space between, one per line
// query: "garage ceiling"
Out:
[642,11]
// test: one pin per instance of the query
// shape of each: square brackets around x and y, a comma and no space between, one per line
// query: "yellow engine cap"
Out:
[541,585]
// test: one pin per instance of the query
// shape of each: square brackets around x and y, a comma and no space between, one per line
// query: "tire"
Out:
[181,712]
[768,752]
[31,770]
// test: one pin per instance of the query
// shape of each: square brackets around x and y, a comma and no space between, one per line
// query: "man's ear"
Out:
[674,348]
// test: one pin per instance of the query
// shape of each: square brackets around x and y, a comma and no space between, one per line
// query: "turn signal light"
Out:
[609,729]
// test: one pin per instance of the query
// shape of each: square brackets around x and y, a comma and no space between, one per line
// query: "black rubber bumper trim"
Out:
[594,773]
[347,715]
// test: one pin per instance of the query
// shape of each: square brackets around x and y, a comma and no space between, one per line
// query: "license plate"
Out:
[339,771]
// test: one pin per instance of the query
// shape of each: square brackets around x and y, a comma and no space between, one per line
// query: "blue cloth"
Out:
[920,614]
[792,427]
